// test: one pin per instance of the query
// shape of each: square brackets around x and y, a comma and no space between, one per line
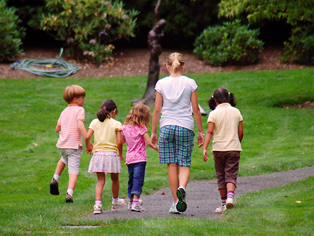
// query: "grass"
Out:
[275,139]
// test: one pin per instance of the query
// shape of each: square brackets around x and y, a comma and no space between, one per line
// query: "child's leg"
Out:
[116,201]
[115,185]
[138,178]
[73,157]
[130,182]
[54,189]
[60,167]
[101,180]
[173,171]
[223,196]
[184,175]
[72,184]
[231,170]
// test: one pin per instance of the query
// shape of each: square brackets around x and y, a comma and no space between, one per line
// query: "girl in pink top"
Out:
[135,135]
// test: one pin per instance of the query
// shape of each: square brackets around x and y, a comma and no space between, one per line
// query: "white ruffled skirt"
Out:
[105,161]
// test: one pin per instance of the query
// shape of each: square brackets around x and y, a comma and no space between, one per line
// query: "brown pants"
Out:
[227,167]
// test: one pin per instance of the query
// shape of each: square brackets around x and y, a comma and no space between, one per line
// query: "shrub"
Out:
[300,48]
[299,14]
[79,22]
[228,44]
[10,33]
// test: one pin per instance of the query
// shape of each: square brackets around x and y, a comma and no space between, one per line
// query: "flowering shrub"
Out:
[10,33]
[227,44]
[79,22]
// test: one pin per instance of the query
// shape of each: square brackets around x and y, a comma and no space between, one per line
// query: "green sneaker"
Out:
[181,204]
[173,209]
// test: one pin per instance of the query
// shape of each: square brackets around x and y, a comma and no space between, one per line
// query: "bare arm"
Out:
[240,131]
[58,128]
[89,144]
[198,118]
[120,144]
[81,128]
[156,115]
[147,140]
[208,137]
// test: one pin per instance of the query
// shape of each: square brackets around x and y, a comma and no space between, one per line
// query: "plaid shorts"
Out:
[175,145]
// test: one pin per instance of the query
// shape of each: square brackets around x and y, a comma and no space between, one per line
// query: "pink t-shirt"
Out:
[69,136]
[136,145]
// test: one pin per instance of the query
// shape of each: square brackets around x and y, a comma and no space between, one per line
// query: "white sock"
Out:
[115,200]
[182,187]
[70,192]
[98,202]
[56,177]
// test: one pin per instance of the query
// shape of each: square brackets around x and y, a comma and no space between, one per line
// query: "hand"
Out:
[200,139]
[89,150]
[205,158]
[154,140]
[121,158]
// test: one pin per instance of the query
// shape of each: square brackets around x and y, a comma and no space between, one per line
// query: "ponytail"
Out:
[175,60]
[212,103]
[106,107]
[221,95]
[232,100]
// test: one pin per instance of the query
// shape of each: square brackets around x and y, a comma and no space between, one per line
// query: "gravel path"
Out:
[203,196]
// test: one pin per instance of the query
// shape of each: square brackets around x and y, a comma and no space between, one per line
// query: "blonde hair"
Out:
[73,91]
[175,60]
[139,115]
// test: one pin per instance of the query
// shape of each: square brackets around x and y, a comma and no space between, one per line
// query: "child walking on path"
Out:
[174,96]
[71,130]
[135,135]
[107,153]
[226,122]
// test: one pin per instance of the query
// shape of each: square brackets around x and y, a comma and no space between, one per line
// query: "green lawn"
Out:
[275,139]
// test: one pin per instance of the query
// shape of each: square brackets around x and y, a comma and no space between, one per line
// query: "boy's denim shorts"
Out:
[175,145]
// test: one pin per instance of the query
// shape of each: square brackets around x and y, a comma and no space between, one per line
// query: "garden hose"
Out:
[65,68]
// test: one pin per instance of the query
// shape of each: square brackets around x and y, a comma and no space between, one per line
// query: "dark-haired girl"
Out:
[107,152]
[226,122]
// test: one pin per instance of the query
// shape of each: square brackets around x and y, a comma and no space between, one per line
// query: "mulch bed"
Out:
[132,62]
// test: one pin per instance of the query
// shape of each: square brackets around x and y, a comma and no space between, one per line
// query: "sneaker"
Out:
[140,201]
[229,203]
[221,209]
[69,198]
[120,203]
[54,190]
[181,204]
[173,209]
[97,209]
[137,207]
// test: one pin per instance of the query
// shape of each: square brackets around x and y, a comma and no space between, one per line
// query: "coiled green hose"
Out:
[65,69]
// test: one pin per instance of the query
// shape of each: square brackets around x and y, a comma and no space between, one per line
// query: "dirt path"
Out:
[203,196]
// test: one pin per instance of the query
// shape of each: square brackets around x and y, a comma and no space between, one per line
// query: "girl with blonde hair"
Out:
[134,131]
[174,96]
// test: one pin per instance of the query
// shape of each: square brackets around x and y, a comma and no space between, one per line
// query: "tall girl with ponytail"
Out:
[174,96]
[107,153]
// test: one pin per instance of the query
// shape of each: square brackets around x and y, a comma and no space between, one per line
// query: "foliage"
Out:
[185,18]
[10,33]
[299,14]
[79,22]
[275,139]
[230,43]
[300,48]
